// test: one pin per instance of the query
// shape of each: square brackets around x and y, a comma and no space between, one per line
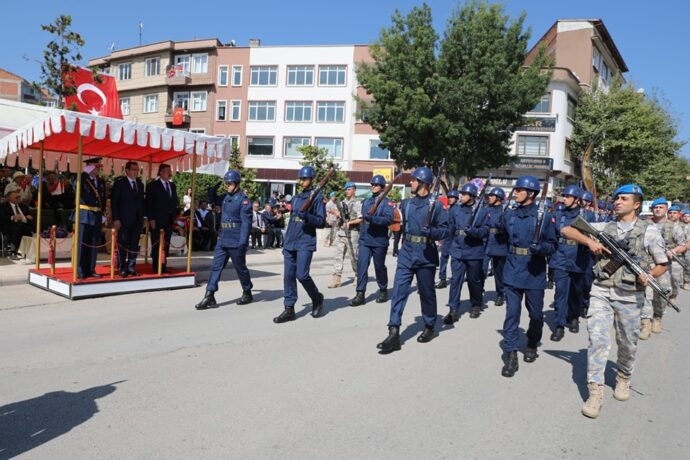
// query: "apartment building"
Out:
[16,88]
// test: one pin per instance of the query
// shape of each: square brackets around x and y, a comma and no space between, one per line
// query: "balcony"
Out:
[169,116]
[176,75]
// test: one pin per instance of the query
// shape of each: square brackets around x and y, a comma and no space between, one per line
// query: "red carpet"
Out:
[145,271]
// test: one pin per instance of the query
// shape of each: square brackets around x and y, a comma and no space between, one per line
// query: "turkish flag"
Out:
[178,116]
[93,97]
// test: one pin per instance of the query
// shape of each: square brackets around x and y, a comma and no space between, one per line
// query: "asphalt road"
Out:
[147,376]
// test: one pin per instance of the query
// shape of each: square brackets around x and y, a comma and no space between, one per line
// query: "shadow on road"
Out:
[27,424]
[578,360]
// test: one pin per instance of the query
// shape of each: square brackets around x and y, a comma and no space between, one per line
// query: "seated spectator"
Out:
[180,223]
[16,222]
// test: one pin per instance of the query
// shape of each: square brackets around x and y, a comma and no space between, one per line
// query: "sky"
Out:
[653,37]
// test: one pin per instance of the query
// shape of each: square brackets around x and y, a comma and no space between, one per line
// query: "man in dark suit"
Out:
[161,209]
[91,217]
[16,222]
[127,208]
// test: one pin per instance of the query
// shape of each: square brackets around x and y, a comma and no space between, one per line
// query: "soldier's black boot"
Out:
[511,364]
[451,317]
[441,284]
[207,302]
[246,298]
[499,301]
[426,335]
[358,299]
[476,311]
[287,315]
[383,296]
[530,353]
[390,343]
[317,306]
[574,325]
[558,334]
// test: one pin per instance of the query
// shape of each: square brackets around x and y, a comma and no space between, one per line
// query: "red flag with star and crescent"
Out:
[91,96]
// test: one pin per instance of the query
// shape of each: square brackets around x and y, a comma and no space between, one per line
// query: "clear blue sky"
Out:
[653,37]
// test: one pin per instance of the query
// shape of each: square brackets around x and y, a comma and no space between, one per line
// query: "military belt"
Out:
[229,225]
[460,233]
[519,251]
[493,230]
[417,239]
[567,242]
[89,208]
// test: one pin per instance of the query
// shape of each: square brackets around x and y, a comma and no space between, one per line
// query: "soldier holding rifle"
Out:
[349,214]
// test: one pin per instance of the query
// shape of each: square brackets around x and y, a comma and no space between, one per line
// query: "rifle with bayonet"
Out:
[434,193]
[315,191]
[620,257]
[541,213]
[384,193]
[675,257]
[480,202]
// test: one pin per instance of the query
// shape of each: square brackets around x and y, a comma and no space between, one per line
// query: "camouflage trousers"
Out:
[686,257]
[676,277]
[624,318]
[654,306]
[342,251]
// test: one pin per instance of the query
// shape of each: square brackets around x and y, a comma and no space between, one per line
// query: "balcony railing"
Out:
[177,75]
[170,114]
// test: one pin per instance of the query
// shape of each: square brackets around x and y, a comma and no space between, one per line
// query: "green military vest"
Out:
[623,278]
[667,233]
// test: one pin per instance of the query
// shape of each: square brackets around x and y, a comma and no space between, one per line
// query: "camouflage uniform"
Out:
[354,211]
[616,302]
[686,254]
[673,235]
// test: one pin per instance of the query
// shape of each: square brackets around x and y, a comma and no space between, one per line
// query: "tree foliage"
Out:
[459,98]
[183,181]
[634,140]
[318,159]
[248,175]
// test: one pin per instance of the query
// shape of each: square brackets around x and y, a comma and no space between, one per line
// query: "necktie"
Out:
[134,186]
[167,188]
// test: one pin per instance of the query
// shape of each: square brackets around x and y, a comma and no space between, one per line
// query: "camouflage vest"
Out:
[623,278]
[667,233]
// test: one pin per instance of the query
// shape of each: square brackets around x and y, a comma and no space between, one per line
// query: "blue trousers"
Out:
[472,270]
[534,300]
[401,291]
[443,266]
[588,280]
[87,252]
[296,268]
[366,253]
[568,295]
[497,263]
[220,261]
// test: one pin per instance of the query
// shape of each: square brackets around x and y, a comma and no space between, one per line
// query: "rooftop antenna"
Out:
[141,31]
[112,46]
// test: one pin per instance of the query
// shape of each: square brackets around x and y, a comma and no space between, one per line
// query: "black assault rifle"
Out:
[541,213]
[342,223]
[480,202]
[434,193]
[620,257]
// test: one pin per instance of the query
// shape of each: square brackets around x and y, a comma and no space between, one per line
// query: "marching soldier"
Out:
[91,217]
[373,243]
[497,241]
[467,254]
[446,244]
[525,271]
[347,237]
[685,219]
[235,225]
[617,299]
[299,247]
[569,263]
[418,257]
[589,215]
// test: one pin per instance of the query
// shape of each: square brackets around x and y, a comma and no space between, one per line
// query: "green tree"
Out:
[183,181]
[395,194]
[459,98]
[665,178]
[318,159]
[248,175]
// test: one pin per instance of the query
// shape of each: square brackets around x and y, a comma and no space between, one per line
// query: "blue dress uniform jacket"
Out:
[468,241]
[375,234]
[90,220]
[497,241]
[568,256]
[301,235]
[93,196]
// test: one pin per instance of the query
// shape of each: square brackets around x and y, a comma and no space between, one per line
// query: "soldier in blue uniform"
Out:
[497,241]
[453,196]
[299,247]
[569,263]
[91,210]
[418,257]
[590,216]
[236,223]
[467,253]
[525,271]
[373,243]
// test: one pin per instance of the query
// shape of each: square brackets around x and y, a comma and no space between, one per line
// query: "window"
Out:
[567,154]
[200,63]
[124,71]
[151,103]
[333,146]
[291,144]
[199,101]
[596,58]
[532,145]
[124,105]
[572,106]
[234,140]
[300,75]
[183,61]
[330,112]
[543,104]
[262,111]
[297,111]
[332,75]
[181,100]
[222,75]
[237,75]
[376,152]
[260,146]
[221,110]
[153,66]
[198,130]
[235,107]
[264,75]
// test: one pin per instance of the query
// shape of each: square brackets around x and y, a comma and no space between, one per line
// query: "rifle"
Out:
[620,257]
[384,193]
[307,204]
[541,213]
[480,202]
[675,257]
[344,218]
[434,193]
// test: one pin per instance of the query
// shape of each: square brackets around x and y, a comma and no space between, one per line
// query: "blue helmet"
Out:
[378,180]
[470,189]
[498,193]
[685,211]
[349,184]
[674,207]
[588,196]
[601,204]
[659,201]
[232,176]
[331,195]
[528,183]
[307,172]
[453,194]
[424,175]
[572,190]
[629,189]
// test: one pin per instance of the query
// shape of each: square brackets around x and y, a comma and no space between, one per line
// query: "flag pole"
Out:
[191,215]
[40,208]
[77,200]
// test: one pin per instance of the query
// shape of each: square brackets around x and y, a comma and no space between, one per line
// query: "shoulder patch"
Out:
[553,220]
[391,204]
[245,202]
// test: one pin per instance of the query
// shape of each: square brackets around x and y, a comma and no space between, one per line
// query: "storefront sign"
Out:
[534,163]
[538,124]
[387,173]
